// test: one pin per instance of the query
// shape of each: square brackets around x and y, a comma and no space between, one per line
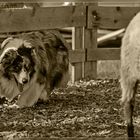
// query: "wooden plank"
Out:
[76,56]
[77,43]
[42,18]
[103,54]
[110,17]
[119,3]
[90,66]
[90,42]
[47,1]
[109,36]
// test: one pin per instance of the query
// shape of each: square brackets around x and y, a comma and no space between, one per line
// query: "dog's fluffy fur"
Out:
[32,65]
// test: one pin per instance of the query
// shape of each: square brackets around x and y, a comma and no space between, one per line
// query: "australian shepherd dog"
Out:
[32,65]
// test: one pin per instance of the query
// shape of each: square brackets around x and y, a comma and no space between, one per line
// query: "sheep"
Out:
[130,70]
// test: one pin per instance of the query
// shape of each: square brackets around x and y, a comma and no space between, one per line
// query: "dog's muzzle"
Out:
[20,87]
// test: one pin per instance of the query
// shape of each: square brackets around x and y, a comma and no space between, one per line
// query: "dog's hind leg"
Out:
[64,80]
[45,95]
[128,100]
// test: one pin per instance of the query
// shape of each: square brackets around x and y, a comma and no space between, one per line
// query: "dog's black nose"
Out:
[24,80]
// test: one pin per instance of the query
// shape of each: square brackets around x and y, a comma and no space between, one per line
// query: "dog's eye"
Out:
[17,68]
[27,68]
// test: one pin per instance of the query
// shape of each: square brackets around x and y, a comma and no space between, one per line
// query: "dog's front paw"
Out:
[14,106]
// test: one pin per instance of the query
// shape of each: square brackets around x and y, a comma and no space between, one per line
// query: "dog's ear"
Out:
[25,50]
[5,42]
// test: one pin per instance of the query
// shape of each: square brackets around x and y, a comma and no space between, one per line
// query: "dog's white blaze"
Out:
[27,44]
[22,75]
[5,51]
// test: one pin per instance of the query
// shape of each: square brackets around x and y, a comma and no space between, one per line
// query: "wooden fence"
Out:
[85,20]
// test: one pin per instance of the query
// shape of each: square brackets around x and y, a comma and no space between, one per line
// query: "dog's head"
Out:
[17,63]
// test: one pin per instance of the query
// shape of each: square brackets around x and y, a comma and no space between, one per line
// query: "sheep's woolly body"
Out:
[130,57]
[130,70]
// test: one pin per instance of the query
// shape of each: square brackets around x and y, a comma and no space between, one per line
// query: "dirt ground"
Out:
[83,109]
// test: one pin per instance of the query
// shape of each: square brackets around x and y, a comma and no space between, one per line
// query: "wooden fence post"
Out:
[90,42]
[77,44]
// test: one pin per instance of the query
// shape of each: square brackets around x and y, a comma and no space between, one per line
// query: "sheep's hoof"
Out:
[130,130]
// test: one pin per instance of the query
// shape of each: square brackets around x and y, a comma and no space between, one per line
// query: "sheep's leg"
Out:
[128,112]
[128,99]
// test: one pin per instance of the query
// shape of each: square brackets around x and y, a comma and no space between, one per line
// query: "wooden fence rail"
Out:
[14,20]
[85,20]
